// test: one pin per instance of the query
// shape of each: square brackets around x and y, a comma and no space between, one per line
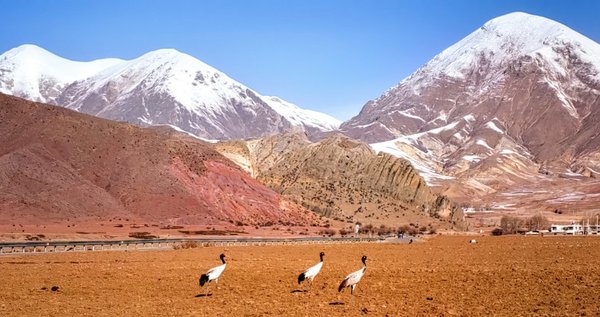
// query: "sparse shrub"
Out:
[327,232]
[366,229]
[32,238]
[142,235]
[412,231]
[403,229]
[188,245]
[168,227]
[384,230]
[497,232]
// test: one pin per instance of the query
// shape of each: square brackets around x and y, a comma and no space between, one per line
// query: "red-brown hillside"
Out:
[57,164]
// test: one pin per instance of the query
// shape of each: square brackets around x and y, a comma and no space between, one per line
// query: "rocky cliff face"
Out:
[57,165]
[342,178]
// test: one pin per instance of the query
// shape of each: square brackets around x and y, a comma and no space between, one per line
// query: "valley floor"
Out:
[446,275]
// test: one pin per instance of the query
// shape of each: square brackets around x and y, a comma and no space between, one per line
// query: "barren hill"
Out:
[342,178]
[58,165]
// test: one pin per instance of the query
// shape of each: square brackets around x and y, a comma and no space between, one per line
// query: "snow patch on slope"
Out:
[493,126]
[427,171]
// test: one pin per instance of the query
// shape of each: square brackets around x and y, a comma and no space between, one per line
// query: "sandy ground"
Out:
[445,276]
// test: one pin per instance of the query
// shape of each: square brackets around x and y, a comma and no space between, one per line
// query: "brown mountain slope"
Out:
[342,178]
[511,109]
[56,164]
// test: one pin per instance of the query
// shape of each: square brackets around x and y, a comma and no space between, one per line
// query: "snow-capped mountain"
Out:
[33,73]
[516,100]
[160,87]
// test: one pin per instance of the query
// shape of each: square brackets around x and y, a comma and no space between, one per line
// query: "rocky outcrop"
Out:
[342,178]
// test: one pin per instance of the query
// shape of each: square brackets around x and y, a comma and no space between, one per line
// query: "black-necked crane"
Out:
[353,278]
[213,274]
[312,271]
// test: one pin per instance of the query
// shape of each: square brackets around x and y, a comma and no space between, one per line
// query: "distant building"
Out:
[574,229]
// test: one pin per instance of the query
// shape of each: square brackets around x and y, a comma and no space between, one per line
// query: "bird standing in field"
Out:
[312,271]
[213,274]
[353,278]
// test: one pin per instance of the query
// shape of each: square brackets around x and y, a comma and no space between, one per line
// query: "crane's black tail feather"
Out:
[342,286]
[301,278]
[203,279]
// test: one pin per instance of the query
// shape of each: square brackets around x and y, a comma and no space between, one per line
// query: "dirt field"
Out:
[444,276]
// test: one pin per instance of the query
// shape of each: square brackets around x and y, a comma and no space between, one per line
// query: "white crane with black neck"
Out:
[311,272]
[213,274]
[353,278]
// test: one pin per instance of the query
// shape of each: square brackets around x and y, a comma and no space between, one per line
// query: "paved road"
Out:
[97,245]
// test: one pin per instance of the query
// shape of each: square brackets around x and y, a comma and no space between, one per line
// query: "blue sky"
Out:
[326,55]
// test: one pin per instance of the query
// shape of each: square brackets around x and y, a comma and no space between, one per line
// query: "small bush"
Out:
[366,229]
[384,230]
[169,227]
[327,232]
[186,245]
[497,232]
[142,235]
[33,238]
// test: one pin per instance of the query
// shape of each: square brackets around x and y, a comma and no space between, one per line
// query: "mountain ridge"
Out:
[160,87]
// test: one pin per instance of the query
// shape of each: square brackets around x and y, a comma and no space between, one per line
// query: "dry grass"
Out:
[445,276]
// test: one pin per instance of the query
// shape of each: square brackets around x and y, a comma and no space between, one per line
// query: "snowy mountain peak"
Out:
[164,86]
[519,90]
[26,51]
[505,38]
[171,56]
[34,73]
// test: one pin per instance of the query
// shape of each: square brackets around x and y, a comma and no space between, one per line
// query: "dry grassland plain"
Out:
[444,276]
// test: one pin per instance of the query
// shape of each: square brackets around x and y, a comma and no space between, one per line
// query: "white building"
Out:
[574,229]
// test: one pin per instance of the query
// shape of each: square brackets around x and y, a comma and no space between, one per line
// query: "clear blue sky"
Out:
[327,55]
